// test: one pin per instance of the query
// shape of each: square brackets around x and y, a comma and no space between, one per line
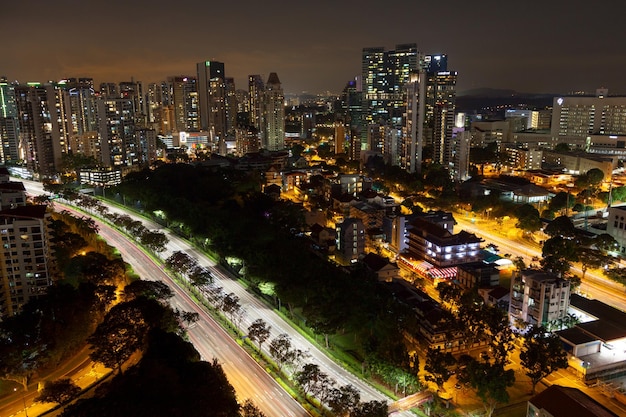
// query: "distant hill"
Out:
[494,100]
[487,92]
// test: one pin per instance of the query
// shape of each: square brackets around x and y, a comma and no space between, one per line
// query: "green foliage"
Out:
[561,201]
[439,366]
[490,382]
[542,354]
[528,218]
[561,226]
[344,400]
[282,350]
[259,331]
[170,380]
[371,409]
[59,391]
[125,328]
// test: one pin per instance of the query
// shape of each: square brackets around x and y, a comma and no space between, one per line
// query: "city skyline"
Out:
[562,47]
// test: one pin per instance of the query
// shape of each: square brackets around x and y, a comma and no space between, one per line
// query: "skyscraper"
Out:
[256,90]
[9,128]
[274,115]
[431,103]
[440,108]
[116,130]
[212,97]
[385,74]
[184,98]
[42,127]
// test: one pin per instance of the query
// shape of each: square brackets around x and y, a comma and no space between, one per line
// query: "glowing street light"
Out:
[23,401]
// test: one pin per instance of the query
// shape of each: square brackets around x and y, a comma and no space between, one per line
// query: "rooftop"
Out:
[567,402]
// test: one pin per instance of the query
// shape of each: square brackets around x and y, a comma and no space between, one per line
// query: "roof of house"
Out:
[441,236]
[12,186]
[33,212]
[375,262]
[603,312]
[566,402]
[576,336]
[499,292]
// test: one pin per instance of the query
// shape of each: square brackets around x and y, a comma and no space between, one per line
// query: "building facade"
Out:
[538,297]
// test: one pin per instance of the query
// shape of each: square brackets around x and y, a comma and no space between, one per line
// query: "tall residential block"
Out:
[274,114]
[212,98]
[184,98]
[43,127]
[25,261]
[9,127]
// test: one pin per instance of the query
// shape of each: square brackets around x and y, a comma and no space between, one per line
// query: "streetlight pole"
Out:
[23,402]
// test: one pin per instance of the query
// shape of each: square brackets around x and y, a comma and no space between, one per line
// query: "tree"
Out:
[561,226]
[59,391]
[438,366]
[125,327]
[519,263]
[259,332]
[155,241]
[528,218]
[343,400]
[490,382]
[309,378]
[542,353]
[282,350]
[562,147]
[230,305]
[200,276]
[149,289]
[371,409]
[248,409]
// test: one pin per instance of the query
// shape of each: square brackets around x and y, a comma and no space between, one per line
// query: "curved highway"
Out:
[208,337]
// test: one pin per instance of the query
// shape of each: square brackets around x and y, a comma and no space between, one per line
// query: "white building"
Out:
[538,297]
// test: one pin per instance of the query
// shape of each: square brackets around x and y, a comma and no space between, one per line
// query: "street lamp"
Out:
[23,401]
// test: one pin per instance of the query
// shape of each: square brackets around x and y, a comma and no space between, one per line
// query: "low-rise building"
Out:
[538,297]
[439,247]
[350,239]
[558,401]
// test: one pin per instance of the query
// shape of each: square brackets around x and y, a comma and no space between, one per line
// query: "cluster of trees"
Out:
[153,240]
[222,208]
[471,320]
[55,326]
[568,244]
[82,308]
[342,401]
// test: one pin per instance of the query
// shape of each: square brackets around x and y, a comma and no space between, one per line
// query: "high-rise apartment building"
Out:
[431,105]
[212,98]
[439,117]
[256,90]
[43,125]
[9,126]
[184,98]
[385,74]
[25,261]
[274,114]
[116,130]
[133,90]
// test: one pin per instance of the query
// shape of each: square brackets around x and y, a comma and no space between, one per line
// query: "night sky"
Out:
[529,46]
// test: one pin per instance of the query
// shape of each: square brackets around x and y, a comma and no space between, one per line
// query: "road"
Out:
[208,337]
[594,286]
[211,341]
